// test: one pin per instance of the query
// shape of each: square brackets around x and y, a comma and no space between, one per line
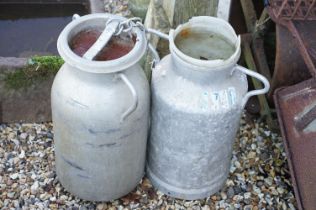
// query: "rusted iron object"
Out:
[290,67]
[296,109]
[304,33]
[299,17]
[293,9]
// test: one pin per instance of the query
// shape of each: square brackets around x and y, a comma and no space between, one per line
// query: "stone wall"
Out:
[27,104]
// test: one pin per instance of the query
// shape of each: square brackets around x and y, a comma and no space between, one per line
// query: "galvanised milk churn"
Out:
[198,94]
[100,109]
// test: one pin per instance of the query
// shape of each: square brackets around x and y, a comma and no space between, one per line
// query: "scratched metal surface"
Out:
[196,108]
[296,108]
[100,154]
[98,157]
[193,128]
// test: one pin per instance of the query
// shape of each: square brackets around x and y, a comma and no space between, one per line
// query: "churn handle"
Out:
[75,16]
[151,47]
[258,77]
[133,107]
[154,54]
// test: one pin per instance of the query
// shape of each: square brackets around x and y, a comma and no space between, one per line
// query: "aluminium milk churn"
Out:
[100,112]
[198,94]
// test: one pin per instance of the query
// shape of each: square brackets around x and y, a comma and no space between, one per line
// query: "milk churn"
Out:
[198,94]
[100,115]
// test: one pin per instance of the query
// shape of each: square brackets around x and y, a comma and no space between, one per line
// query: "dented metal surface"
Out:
[196,108]
[296,108]
[100,118]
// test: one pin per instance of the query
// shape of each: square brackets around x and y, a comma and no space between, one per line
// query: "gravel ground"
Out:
[259,176]
[119,7]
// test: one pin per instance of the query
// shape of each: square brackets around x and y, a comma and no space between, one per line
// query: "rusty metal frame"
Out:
[284,12]
[296,105]
[296,109]
[293,9]
[303,49]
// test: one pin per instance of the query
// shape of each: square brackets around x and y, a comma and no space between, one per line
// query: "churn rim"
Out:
[110,66]
[206,65]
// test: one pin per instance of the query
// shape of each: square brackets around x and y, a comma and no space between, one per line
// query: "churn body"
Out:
[100,150]
[196,108]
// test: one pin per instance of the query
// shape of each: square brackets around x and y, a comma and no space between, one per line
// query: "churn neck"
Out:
[98,20]
[205,70]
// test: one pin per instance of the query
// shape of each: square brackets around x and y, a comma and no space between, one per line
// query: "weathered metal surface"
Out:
[299,18]
[305,33]
[290,67]
[101,115]
[196,108]
[296,108]
[293,9]
[306,44]
[296,105]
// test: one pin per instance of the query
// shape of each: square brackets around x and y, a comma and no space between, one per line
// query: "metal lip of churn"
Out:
[100,113]
[95,20]
[212,24]
[198,94]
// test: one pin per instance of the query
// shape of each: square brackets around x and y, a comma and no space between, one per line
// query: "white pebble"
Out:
[280,190]
[268,181]
[14,176]
[247,195]
[23,135]
[237,164]
[291,206]
[223,195]
[10,194]
[63,197]
[205,207]
[22,154]
[52,199]
[34,188]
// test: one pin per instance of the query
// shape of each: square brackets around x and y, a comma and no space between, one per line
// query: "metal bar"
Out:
[281,8]
[297,6]
[309,9]
[223,9]
[306,56]
[306,119]
[158,33]
[277,103]
[103,39]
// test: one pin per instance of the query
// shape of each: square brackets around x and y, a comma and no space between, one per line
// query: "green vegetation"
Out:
[39,68]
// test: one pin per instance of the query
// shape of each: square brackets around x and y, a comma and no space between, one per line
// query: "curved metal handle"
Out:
[151,47]
[258,77]
[133,107]
[75,16]
[157,33]
[155,55]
